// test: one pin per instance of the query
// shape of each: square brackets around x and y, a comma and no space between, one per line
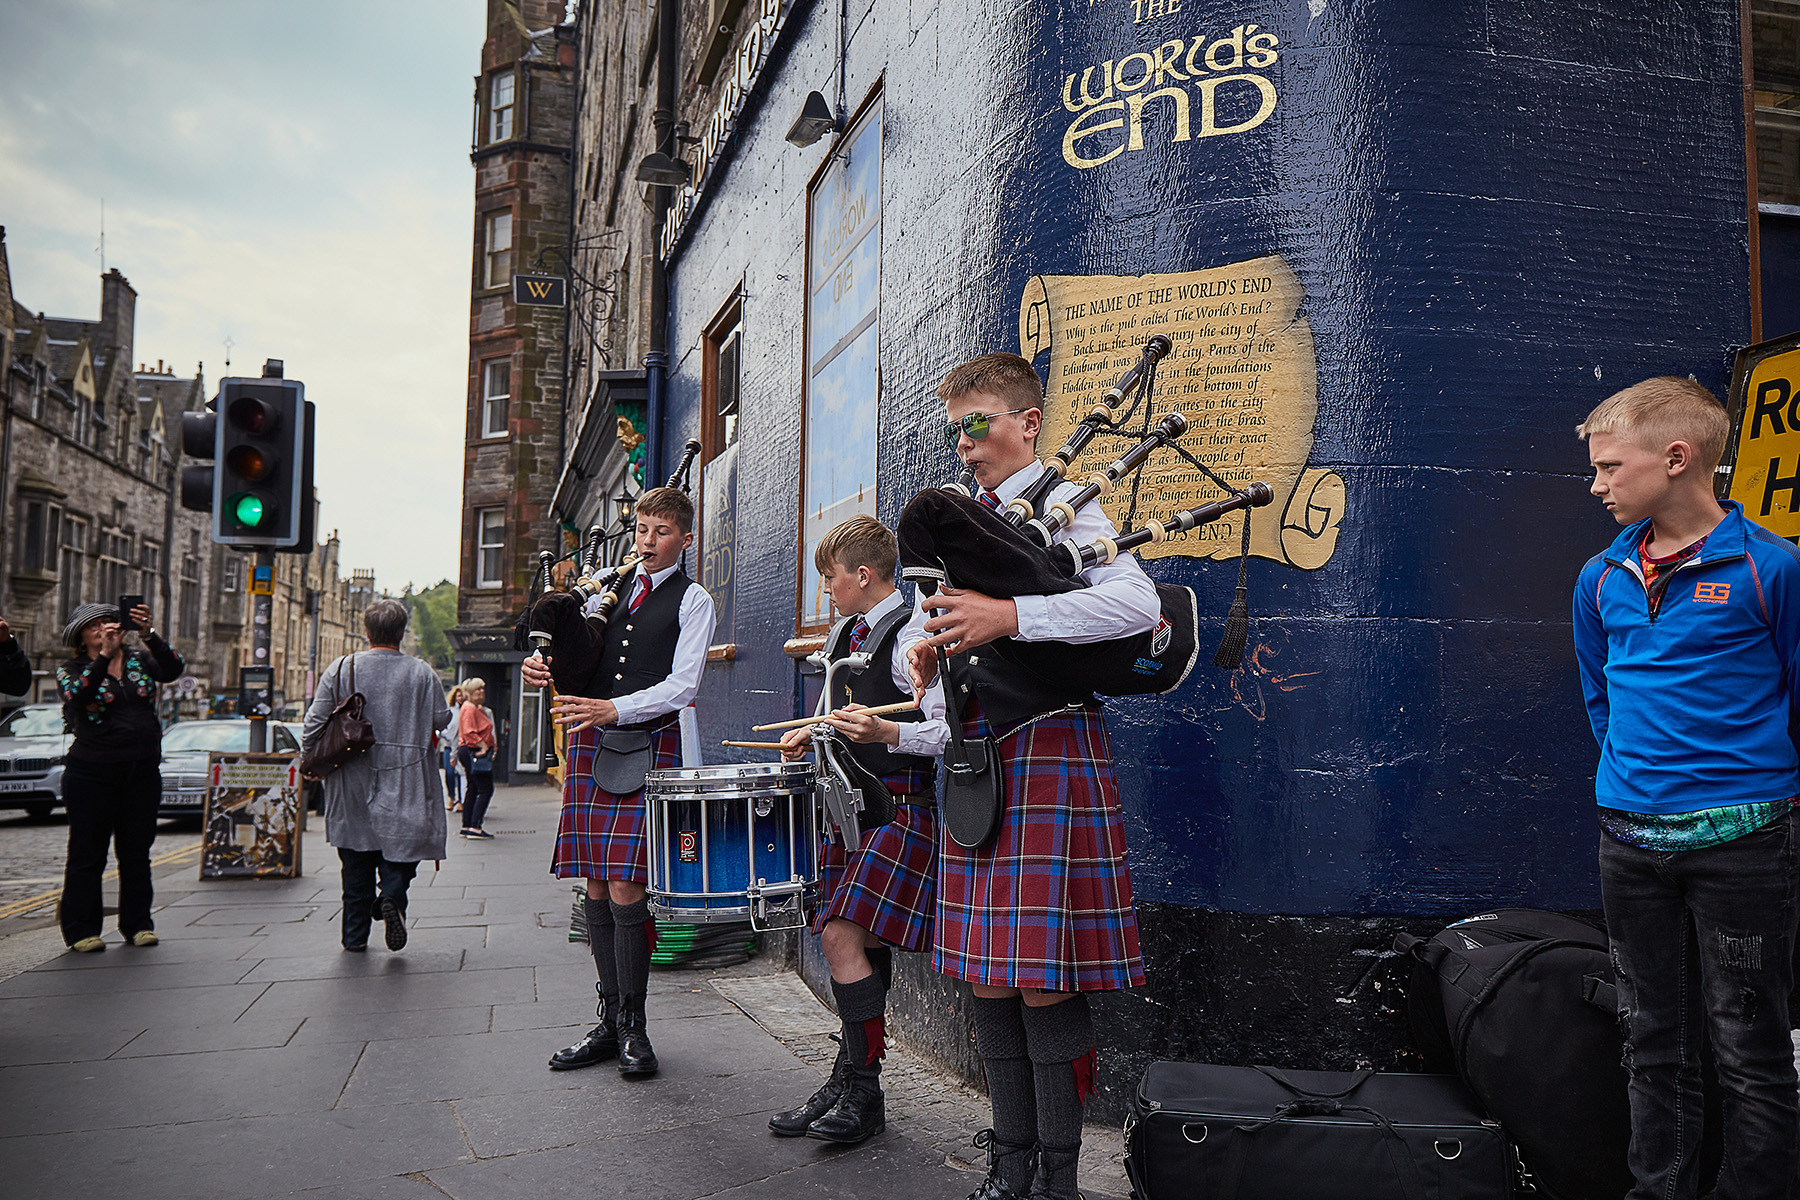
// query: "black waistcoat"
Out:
[1011,694]
[909,773]
[640,646]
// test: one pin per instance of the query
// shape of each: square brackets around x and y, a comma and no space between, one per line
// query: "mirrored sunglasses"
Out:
[975,424]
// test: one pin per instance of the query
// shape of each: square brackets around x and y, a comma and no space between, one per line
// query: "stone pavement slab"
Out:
[248,1056]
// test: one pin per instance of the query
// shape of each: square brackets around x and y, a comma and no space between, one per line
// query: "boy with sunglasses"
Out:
[1042,914]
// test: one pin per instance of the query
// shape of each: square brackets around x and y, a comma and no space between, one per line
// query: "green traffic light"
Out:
[248,510]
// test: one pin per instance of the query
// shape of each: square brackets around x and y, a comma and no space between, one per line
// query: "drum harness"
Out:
[852,795]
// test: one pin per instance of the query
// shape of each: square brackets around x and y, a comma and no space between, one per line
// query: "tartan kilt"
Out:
[600,835]
[1047,903]
[889,884]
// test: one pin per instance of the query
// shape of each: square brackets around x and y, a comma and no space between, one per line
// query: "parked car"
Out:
[185,747]
[32,745]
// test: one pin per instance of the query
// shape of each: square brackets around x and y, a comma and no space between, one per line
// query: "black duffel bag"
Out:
[1523,1001]
[1200,1132]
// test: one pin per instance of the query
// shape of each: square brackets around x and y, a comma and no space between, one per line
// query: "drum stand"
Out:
[840,801]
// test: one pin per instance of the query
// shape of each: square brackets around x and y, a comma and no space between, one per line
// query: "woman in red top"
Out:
[475,750]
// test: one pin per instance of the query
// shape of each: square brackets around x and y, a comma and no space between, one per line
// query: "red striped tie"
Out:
[988,498]
[858,632]
[642,591]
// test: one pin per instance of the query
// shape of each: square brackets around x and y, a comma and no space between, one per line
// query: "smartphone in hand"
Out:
[128,602]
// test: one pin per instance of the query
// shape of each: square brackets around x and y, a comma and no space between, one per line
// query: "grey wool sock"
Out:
[882,959]
[1060,1037]
[862,1006]
[600,942]
[1000,1040]
[632,947]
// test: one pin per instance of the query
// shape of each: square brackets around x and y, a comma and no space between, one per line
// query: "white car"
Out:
[32,745]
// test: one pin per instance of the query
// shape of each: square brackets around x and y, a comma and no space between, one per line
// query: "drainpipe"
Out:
[569,239]
[656,360]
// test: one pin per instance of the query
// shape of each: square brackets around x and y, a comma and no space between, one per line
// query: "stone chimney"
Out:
[118,315]
[542,14]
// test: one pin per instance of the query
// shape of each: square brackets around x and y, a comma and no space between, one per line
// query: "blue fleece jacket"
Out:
[1691,708]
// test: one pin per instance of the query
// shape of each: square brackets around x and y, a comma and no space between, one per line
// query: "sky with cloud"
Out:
[293,177]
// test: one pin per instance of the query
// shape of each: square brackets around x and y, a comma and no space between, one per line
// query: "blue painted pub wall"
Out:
[1500,213]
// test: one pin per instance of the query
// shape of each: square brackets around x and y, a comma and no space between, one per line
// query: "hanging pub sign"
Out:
[251,829]
[540,291]
[1764,450]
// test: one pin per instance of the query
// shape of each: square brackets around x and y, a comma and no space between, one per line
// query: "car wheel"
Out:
[40,811]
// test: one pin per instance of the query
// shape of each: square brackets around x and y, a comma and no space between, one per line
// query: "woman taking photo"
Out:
[112,776]
[476,753]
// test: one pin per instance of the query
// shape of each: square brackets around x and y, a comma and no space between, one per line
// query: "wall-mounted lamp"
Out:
[815,121]
[663,171]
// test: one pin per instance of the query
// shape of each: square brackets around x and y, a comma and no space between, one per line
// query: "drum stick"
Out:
[757,745]
[879,711]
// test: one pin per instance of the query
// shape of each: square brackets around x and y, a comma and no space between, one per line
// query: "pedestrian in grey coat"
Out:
[384,810]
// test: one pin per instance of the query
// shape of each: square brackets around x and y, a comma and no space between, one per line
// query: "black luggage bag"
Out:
[1200,1132]
[1523,1003]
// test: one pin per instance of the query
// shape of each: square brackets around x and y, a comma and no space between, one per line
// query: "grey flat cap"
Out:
[84,616]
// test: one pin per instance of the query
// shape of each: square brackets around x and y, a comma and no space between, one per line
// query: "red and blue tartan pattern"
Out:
[1047,903]
[889,884]
[911,781]
[600,835]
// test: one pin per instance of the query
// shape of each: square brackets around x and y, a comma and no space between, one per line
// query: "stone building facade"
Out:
[90,457]
[315,616]
[514,409]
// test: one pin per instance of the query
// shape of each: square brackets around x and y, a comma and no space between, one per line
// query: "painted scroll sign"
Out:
[1243,373]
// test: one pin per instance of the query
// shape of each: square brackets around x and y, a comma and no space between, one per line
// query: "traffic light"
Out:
[259,484]
[259,450]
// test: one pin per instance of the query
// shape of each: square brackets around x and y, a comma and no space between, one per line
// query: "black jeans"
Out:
[362,902]
[109,803]
[481,790]
[1702,942]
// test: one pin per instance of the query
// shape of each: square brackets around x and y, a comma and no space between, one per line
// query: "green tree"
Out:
[432,612]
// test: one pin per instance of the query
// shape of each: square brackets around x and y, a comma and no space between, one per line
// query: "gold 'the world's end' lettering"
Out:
[1109,99]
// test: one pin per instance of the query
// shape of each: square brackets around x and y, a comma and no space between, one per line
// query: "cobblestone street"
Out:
[32,854]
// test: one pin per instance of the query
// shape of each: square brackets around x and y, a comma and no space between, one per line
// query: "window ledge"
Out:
[800,647]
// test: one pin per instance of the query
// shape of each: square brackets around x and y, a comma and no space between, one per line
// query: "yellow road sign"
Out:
[1765,442]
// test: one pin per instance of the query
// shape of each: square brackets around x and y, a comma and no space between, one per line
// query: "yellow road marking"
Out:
[19,908]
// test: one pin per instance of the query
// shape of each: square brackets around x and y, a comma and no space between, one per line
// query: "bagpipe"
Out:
[559,627]
[949,539]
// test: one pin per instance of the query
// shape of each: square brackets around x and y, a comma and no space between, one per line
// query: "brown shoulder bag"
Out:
[345,734]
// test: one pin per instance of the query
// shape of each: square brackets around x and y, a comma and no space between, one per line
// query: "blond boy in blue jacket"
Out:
[1687,633]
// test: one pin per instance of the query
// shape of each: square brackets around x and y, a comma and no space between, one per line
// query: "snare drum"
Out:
[731,843]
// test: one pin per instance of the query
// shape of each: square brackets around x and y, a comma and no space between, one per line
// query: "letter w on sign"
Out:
[1712,593]
[543,291]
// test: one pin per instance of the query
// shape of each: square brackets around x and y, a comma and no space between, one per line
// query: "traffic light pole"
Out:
[262,616]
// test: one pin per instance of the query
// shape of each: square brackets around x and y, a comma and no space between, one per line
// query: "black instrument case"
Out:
[1200,1132]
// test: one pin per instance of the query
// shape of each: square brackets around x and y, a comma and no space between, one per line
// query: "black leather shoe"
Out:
[794,1121]
[858,1116]
[994,1187]
[635,1055]
[600,1044]
[396,925]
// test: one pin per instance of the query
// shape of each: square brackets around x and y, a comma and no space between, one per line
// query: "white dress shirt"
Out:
[925,737]
[1119,601]
[683,683]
